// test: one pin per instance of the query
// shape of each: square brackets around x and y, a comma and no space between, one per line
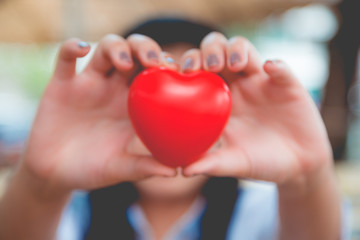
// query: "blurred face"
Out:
[161,188]
[175,189]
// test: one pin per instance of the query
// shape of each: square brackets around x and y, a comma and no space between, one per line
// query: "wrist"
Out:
[38,189]
[305,184]
[309,208]
[28,203]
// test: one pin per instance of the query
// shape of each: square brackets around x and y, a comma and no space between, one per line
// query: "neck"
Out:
[162,215]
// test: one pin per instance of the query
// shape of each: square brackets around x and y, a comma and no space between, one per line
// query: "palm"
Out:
[81,133]
[274,132]
[269,125]
[90,125]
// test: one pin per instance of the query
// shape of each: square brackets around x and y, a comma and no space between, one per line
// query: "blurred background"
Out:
[319,39]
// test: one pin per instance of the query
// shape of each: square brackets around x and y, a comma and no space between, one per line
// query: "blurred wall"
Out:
[54,20]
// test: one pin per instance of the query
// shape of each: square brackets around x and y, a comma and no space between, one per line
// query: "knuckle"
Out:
[111,38]
[213,37]
[141,41]
[135,37]
[110,41]
[216,35]
[239,40]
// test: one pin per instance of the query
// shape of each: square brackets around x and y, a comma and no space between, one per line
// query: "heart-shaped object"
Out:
[178,116]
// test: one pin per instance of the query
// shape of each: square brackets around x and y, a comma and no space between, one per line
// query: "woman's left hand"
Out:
[275,132]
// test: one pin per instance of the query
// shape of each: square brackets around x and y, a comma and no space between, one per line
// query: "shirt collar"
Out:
[187,227]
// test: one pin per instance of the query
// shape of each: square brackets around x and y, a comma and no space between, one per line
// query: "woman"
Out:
[82,139]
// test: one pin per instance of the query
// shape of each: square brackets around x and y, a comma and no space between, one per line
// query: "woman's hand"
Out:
[81,131]
[275,132]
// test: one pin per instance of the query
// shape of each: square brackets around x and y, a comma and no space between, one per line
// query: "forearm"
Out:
[27,212]
[310,208]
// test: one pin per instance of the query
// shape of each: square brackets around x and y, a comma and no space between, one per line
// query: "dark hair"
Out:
[170,30]
[108,205]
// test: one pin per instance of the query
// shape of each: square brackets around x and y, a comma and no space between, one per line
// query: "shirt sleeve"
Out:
[75,220]
[256,215]
[346,231]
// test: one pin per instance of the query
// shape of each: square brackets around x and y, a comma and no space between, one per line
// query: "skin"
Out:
[275,133]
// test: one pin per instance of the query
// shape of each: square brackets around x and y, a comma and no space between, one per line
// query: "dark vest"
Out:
[109,205]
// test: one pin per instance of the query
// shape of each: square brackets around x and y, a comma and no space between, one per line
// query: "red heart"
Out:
[178,116]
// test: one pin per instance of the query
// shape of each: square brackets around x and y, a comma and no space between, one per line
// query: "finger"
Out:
[279,72]
[224,164]
[146,50]
[135,168]
[242,56]
[191,60]
[213,51]
[237,54]
[69,52]
[168,61]
[147,166]
[112,52]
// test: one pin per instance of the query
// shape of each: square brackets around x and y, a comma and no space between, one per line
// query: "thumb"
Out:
[279,72]
[221,163]
[138,167]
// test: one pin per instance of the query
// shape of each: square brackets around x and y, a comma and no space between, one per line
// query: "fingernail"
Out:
[83,44]
[188,64]
[170,60]
[234,59]
[125,57]
[212,61]
[152,55]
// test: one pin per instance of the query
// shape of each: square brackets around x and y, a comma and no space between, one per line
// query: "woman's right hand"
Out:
[81,131]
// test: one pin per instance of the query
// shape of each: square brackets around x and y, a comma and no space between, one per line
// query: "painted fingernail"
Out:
[170,60]
[152,55]
[212,61]
[83,44]
[188,64]
[234,59]
[125,57]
